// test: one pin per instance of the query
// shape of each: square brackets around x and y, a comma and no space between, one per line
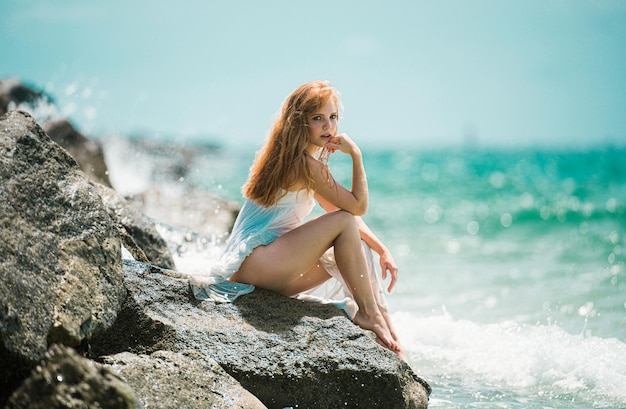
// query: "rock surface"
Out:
[167,379]
[66,380]
[61,268]
[200,212]
[287,352]
[138,232]
[87,152]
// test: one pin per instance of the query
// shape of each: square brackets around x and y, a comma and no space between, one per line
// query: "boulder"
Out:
[138,232]
[287,352]
[159,179]
[196,211]
[61,276]
[67,380]
[14,94]
[87,152]
[189,379]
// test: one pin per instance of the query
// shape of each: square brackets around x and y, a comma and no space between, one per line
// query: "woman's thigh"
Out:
[315,276]
[280,265]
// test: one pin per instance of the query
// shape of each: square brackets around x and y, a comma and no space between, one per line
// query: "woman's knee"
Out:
[346,219]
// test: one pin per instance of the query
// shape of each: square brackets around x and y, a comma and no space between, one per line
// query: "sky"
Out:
[411,73]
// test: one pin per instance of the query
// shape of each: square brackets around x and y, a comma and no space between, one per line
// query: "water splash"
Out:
[470,362]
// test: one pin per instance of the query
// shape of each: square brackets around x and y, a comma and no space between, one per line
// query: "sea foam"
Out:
[541,361]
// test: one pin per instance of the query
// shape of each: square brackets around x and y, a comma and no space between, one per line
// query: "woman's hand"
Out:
[342,143]
[387,264]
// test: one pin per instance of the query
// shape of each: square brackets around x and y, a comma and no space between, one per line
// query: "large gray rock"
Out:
[61,275]
[200,212]
[286,352]
[67,380]
[160,180]
[88,153]
[138,232]
[167,379]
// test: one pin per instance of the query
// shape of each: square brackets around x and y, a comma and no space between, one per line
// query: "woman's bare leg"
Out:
[400,351]
[315,276]
[288,266]
[318,275]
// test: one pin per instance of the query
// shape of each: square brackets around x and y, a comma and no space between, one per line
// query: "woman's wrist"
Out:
[356,152]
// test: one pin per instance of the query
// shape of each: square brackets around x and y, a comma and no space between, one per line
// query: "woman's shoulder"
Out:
[296,196]
[319,170]
[313,161]
[298,191]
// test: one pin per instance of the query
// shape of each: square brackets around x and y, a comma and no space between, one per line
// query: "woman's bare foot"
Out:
[400,352]
[378,325]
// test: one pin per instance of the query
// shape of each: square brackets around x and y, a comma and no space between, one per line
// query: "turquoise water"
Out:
[513,273]
[512,290]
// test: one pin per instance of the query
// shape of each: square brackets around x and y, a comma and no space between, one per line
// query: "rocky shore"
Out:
[93,312]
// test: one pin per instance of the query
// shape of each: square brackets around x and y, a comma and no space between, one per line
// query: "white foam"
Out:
[542,360]
[130,171]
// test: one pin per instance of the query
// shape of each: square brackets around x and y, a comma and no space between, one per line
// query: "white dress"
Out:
[257,225]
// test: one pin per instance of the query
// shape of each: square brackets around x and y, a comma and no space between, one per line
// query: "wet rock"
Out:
[88,153]
[67,380]
[162,160]
[287,352]
[138,232]
[201,212]
[158,179]
[61,275]
[189,380]
[15,95]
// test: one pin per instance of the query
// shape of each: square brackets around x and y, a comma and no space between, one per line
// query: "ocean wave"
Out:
[468,362]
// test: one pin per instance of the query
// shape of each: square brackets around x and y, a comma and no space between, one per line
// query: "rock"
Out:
[88,153]
[61,276]
[162,161]
[67,380]
[201,212]
[287,352]
[14,95]
[167,379]
[158,180]
[138,232]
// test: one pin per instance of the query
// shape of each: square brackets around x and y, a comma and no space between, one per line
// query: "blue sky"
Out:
[417,73]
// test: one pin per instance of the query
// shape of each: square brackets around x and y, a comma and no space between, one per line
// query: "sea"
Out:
[512,275]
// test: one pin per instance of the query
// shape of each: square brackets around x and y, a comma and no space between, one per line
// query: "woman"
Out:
[270,246]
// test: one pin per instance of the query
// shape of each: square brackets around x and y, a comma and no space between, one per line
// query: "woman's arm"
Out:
[354,200]
[387,263]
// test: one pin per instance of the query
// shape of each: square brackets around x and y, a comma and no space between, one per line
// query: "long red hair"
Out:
[281,163]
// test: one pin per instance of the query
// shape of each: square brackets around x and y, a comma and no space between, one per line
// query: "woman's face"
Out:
[322,126]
